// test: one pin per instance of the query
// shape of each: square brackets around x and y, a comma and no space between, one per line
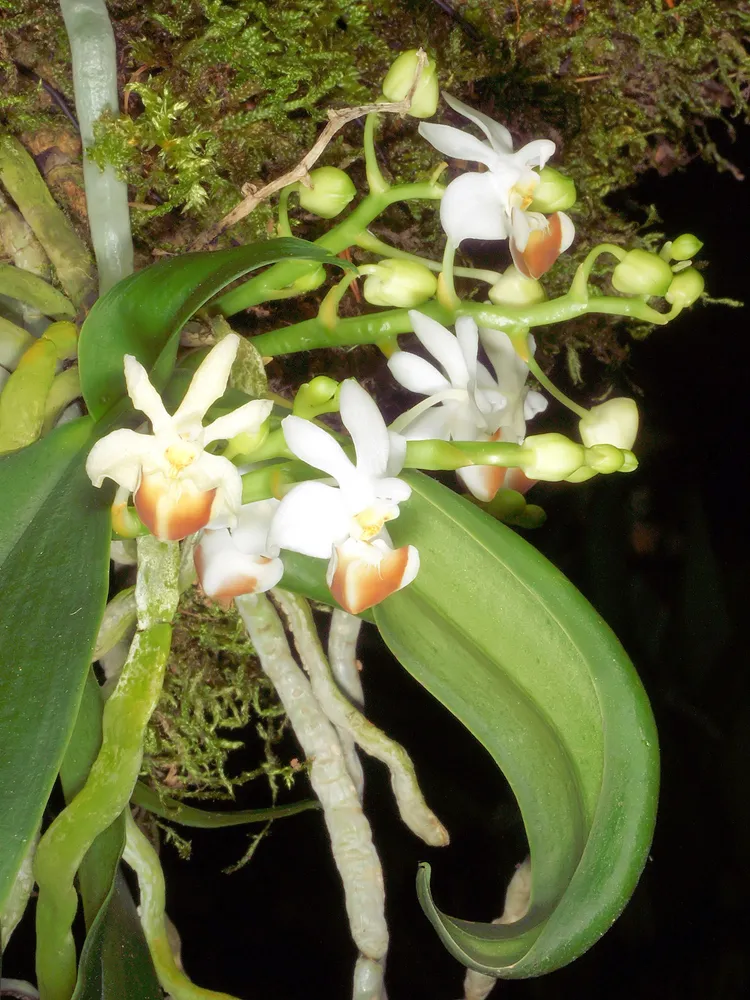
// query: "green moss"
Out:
[213,687]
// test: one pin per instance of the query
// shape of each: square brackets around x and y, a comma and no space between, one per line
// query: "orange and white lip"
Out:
[178,486]
[362,574]
[538,240]
[240,560]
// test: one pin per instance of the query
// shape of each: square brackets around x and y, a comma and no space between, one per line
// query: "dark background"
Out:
[660,554]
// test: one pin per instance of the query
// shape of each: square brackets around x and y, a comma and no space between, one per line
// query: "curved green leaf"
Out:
[204,819]
[144,314]
[34,291]
[54,572]
[507,644]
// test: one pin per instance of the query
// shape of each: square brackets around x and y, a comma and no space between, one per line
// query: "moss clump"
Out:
[213,687]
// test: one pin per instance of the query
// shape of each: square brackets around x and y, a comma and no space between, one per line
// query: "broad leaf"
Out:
[507,644]
[54,562]
[144,314]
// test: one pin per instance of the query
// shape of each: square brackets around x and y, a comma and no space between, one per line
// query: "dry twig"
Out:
[336,121]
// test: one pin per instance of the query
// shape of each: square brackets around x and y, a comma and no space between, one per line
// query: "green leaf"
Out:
[204,819]
[498,635]
[35,291]
[144,314]
[115,963]
[54,571]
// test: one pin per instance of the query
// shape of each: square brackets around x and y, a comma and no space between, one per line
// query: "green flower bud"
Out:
[552,457]
[309,282]
[554,193]
[400,283]
[642,273]
[604,458]
[581,475]
[630,463]
[400,77]
[330,193]
[685,247]
[685,288]
[612,423]
[515,289]
[321,395]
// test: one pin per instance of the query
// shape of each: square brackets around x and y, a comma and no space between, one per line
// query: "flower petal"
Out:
[534,403]
[456,143]
[443,346]
[482,481]
[473,207]
[119,456]
[311,519]
[362,574]
[396,454]
[208,384]
[416,374]
[568,231]
[498,134]
[535,153]
[145,398]
[317,448]
[253,525]
[541,250]
[214,471]
[467,336]
[225,572]
[364,421]
[246,418]
[432,424]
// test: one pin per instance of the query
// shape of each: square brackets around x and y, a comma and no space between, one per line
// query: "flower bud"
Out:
[321,395]
[554,193]
[400,77]
[604,458]
[642,273]
[400,283]
[515,289]
[581,475]
[310,281]
[614,422]
[685,288]
[330,193]
[552,457]
[685,247]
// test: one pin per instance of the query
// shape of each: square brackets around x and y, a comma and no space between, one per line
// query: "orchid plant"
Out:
[259,500]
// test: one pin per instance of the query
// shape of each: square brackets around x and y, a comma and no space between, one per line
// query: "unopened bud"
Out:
[554,193]
[604,458]
[330,192]
[515,289]
[400,77]
[685,247]
[400,283]
[309,282]
[614,422]
[581,475]
[318,396]
[685,288]
[642,273]
[552,457]
[245,443]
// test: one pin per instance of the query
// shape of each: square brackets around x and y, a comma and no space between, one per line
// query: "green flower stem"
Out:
[113,775]
[375,180]
[579,287]
[261,287]
[351,837]
[144,861]
[94,61]
[284,228]
[553,390]
[69,255]
[414,811]
[366,241]
[374,327]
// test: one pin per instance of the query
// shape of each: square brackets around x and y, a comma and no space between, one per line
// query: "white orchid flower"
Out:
[346,523]
[177,486]
[235,561]
[492,205]
[465,401]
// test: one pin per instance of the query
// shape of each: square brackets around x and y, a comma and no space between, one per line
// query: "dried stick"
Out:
[336,121]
